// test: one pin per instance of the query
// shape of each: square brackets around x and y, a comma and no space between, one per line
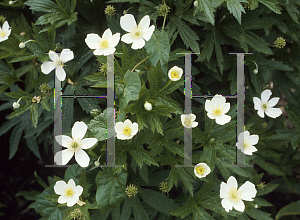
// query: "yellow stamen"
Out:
[137,32]
[2,34]
[264,106]
[187,122]
[174,74]
[234,194]
[200,170]
[246,144]
[127,130]
[103,44]
[69,192]
[217,111]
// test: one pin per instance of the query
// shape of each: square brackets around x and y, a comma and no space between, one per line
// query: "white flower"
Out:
[265,106]
[4,31]
[58,63]
[216,109]
[105,45]
[188,121]
[126,130]
[137,33]
[75,145]
[68,192]
[232,197]
[246,141]
[175,73]
[148,106]
[201,170]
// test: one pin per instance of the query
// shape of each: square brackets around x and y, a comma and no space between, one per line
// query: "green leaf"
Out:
[288,210]
[144,173]
[185,210]
[132,85]
[173,178]
[269,167]
[257,214]
[271,4]
[186,178]
[138,210]
[200,213]
[140,155]
[236,8]
[157,200]
[73,172]
[34,114]
[267,189]
[158,47]
[110,188]
[208,9]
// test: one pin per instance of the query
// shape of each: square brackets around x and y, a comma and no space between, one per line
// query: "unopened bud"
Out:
[148,106]
[11,2]
[255,71]
[97,163]
[22,45]
[195,3]
[16,105]
[256,206]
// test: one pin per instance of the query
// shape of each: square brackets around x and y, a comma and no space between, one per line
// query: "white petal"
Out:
[231,182]
[99,52]
[265,95]
[62,199]
[182,117]
[148,33]
[107,34]
[194,124]
[208,106]
[3,38]
[250,150]
[78,191]
[218,100]
[63,157]
[134,128]
[5,26]
[253,139]
[88,143]
[53,56]
[60,73]
[47,67]
[138,43]
[248,191]
[224,191]
[63,140]
[66,55]
[127,123]
[60,187]
[273,112]
[114,40]
[72,201]
[221,120]
[79,129]
[127,22]
[82,158]
[119,127]
[273,101]
[122,136]
[92,40]
[226,107]
[126,38]
[257,103]
[226,204]
[240,146]
[241,136]
[108,51]
[71,183]
[145,22]
[211,115]
[239,205]
[261,113]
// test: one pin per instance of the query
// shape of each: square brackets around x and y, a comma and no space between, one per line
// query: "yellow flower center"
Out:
[74,145]
[127,130]
[217,111]
[246,144]
[69,192]
[200,170]
[2,33]
[137,32]
[174,74]
[103,44]
[187,122]
[60,63]
[234,194]
[264,106]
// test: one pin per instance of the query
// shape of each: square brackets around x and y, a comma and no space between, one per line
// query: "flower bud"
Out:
[22,45]
[195,3]
[255,71]
[97,163]
[148,106]
[256,206]
[11,2]
[16,105]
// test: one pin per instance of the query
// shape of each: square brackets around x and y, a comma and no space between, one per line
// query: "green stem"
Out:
[162,88]
[164,21]
[210,128]
[139,63]
[199,146]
